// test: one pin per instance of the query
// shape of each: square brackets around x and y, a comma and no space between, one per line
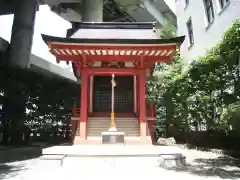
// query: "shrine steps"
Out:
[128,141]
[129,125]
[96,125]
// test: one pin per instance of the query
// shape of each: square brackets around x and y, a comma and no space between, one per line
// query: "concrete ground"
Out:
[25,164]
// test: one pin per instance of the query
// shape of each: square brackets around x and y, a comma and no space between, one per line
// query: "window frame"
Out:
[189,25]
[209,11]
[223,3]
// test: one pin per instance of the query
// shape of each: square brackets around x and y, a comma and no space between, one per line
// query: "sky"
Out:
[46,23]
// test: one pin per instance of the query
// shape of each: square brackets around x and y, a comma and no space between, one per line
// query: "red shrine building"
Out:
[126,50]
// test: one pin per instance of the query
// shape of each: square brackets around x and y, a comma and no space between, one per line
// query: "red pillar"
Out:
[84,105]
[137,92]
[142,104]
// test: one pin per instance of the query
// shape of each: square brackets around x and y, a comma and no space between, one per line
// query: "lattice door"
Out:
[123,94]
[102,94]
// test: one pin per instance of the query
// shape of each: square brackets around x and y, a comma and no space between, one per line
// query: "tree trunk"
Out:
[6,122]
[169,111]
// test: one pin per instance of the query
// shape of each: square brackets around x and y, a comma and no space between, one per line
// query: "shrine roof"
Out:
[113,30]
[86,41]
[114,25]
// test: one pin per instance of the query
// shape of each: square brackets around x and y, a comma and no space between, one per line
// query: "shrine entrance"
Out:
[124,97]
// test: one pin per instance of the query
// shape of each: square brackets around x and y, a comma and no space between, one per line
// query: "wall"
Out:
[205,36]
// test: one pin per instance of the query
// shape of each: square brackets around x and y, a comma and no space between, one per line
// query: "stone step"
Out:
[172,161]
[111,162]
[110,121]
[99,131]
[123,120]
[132,141]
[119,129]
[127,134]
[118,125]
[97,125]
[120,122]
[110,117]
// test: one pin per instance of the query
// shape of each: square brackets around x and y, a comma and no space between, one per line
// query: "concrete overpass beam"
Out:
[152,9]
[92,11]
[22,33]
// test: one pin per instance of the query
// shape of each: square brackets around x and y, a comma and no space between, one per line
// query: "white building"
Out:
[204,23]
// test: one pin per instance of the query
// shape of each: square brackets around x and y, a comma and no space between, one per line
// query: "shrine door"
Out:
[123,94]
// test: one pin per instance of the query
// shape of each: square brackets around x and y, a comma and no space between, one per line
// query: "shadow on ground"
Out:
[223,167]
[9,171]
[25,153]
[16,160]
[13,162]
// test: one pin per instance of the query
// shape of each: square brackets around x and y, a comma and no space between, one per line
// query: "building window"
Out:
[223,3]
[190,32]
[209,10]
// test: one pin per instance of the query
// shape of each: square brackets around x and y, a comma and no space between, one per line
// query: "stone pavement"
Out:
[201,165]
[112,150]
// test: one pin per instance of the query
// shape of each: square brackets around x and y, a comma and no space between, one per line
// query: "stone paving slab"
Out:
[112,150]
[109,173]
[129,162]
[52,157]
[38,170]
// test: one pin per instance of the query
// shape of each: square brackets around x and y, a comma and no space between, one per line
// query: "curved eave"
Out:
[52,39]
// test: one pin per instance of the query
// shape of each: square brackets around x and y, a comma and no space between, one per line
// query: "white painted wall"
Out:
[205,36]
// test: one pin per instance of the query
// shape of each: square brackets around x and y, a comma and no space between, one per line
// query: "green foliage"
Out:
[29,98]
[207,96]
[168,30]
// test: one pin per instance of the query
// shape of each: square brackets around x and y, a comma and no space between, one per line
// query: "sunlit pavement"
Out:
[203,166]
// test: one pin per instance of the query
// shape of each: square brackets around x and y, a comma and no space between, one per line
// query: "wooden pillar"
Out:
[84,105]
[142,104]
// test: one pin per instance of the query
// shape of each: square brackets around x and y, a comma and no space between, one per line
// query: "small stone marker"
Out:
[112,137]
[172,160]
[166,141]
[53,158]
[161,141]
[170,141]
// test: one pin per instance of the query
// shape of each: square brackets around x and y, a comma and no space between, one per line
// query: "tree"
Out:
[162,80]
[206,96]
[29,98]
